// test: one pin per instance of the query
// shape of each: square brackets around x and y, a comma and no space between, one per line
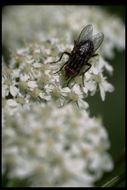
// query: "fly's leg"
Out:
[83,85]
[95,55]
[89,66]
[83,79]
[60,59]
[70,80]
[60,68]
[61,56]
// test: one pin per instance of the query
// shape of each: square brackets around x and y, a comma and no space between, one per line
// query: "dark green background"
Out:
[112,109]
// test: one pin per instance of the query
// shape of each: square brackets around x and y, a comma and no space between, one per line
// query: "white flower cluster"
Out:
[30,77]
[49,146]
[19,25]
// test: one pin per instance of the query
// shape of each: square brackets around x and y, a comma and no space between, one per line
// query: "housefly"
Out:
[84,48]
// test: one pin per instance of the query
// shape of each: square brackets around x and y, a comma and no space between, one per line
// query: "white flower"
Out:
[24,77]
[37,65]
[14,91]
[5,91]
[100,65]
[12,103]
[16,73]
[9,84]
[12,106]
[32,84]
[104,86]
[22,51]
[52,146]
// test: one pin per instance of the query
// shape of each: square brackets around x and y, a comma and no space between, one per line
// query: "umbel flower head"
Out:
[50,146]
[30,77]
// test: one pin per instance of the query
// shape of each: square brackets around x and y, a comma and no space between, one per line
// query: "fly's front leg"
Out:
[65,52]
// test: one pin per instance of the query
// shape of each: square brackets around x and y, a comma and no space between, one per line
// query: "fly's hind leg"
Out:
[96,54]
[70,80]
[89,66]
[60,68]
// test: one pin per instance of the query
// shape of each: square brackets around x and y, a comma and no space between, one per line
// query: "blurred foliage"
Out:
[6,182]
[113,109]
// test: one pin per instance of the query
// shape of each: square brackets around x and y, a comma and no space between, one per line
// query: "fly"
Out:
[84,48]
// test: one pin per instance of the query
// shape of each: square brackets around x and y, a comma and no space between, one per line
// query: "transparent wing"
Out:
[97,40]
[86,33]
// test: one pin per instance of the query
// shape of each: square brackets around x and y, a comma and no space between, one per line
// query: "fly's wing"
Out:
[86,33]
[97,40]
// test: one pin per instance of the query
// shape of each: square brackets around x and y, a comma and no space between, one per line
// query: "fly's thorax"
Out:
[86,48]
